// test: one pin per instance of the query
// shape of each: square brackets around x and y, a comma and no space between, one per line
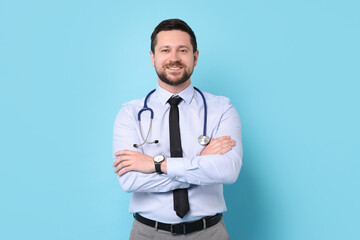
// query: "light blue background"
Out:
[291,68]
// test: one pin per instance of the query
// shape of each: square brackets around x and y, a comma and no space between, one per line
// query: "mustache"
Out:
[174,64]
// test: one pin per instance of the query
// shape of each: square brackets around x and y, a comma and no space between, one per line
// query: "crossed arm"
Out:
[128,160]
[219,162]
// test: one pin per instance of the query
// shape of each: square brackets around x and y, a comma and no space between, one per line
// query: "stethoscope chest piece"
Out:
[204,140]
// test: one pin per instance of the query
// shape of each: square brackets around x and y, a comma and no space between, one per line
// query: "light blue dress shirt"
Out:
[204,176]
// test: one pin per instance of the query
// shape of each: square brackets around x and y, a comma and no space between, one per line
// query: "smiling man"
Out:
[175,45]
[175,176]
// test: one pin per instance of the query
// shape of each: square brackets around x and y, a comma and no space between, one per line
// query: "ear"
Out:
[196,56]
[152,58]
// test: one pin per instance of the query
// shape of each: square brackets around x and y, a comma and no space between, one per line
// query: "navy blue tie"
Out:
[181,200]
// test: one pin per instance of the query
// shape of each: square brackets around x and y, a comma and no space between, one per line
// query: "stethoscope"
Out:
[202,139]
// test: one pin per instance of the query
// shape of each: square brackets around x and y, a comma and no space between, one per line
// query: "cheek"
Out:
[158,63]
[190,63]
[158,67]
[190,60]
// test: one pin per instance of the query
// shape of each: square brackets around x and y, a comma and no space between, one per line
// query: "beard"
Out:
[163,76]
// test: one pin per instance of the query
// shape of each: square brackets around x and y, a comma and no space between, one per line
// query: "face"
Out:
[174,60]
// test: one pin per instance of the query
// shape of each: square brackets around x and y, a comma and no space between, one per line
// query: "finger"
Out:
[118,167]
[122,165]
[123,152]
[124,170]
[118,160]
[217,149]
[215,143]
[222,138]
[225,139]
[221,144]
[118,153]
[121,159]
[225,150]
[227,142]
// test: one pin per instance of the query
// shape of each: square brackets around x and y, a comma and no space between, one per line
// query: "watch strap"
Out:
[158,168]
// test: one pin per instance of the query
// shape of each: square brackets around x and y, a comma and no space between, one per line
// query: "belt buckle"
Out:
[172,229]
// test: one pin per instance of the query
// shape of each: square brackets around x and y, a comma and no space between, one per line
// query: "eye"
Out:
[183,50]
[164,50]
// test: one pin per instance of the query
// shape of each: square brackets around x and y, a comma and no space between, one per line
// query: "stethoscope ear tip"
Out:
[135,146]
[156,141]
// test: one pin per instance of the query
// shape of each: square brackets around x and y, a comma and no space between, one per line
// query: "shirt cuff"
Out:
[176,169]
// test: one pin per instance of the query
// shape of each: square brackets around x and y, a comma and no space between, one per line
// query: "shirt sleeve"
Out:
[124,136]
[213,169]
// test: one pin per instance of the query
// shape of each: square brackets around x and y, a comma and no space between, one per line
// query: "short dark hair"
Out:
[173,24]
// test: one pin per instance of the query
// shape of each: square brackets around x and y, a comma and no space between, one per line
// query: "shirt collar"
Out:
[187,94]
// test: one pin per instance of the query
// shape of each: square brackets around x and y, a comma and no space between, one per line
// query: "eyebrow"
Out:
[181,46]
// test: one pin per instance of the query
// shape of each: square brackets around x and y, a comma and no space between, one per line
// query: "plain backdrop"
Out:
[291,69]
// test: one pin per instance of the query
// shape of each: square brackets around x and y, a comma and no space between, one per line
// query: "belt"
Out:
[181,228]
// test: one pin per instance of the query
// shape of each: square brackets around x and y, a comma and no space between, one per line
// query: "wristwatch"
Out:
[158,160]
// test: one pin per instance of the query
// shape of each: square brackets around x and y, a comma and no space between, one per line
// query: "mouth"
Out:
[174,68]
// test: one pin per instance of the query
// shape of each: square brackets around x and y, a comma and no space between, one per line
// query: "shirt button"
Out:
[199,182]
[157,189]
[176,177]
[181,186]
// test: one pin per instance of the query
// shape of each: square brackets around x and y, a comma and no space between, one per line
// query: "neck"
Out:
[174,89]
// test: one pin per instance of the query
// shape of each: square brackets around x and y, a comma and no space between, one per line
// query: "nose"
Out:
[174,56]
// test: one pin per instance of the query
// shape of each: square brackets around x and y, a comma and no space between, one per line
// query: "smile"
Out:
[174,68]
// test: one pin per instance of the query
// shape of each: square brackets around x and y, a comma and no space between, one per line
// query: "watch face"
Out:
[159,158]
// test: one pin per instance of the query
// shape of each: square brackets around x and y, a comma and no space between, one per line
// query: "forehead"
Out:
[173,38]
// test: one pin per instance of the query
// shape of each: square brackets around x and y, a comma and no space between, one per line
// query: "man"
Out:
[176,183]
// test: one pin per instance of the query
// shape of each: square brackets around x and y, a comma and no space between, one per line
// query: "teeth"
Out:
[173,68]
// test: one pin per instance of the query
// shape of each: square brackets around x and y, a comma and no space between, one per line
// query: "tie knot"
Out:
[174,101]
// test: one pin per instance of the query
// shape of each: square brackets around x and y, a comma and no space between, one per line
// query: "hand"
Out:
[218,146]
[133,161]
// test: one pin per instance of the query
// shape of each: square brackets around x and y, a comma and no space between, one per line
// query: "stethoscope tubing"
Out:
[146,108]
[205,110]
